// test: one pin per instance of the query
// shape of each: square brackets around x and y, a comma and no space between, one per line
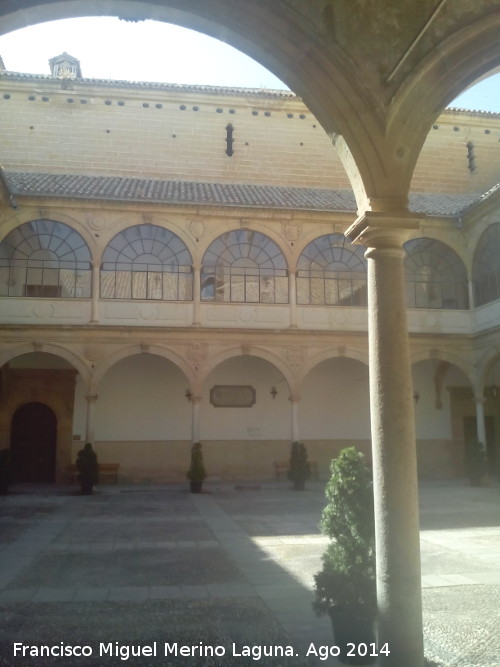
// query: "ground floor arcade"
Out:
[142,399]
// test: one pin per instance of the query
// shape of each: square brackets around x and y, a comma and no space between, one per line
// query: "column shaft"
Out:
[292,298]
[294,402]
[195,419]
[394,461]
[196,298]
[90,422]
[480,423]
[94,306]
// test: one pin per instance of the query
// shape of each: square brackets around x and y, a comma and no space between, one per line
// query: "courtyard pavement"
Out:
[162,570]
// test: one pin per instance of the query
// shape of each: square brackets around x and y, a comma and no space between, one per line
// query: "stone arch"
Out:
[348,352]
[45,258]
[334,410]
[485,273]
[23,216]
[40,380]
[244,266]
[246,420]
[131,350]
[305,57]
[435,275]
[49,348]
[447,356]
[253,351]
[460,60]
[141,417]
[443,401]
[489,370]
[332,271]
[147,262]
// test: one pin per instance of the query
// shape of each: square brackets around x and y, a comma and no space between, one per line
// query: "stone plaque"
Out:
[232,396]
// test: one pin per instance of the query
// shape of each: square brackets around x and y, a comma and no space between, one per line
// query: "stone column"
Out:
[96,288]
[195,418]
[292,297]
[294,402]
[393,440]
[480,423]
[196,297]
[90,425]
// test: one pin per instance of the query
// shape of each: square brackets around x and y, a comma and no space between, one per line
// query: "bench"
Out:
[281,467]
[108,473]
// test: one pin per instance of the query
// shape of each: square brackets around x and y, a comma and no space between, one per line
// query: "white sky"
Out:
[151,51]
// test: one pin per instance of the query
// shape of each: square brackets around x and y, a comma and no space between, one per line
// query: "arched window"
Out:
[44,258]
[147,262]
[435,276]
[486,267]
[244,266]
[331,271]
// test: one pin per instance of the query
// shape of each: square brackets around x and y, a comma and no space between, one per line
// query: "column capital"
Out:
[294,398]
[383,229]
[91,398]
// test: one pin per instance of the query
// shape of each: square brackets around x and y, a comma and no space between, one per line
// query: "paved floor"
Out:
[155,569]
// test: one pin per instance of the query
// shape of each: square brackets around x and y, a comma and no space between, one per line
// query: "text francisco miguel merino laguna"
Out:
[162,649]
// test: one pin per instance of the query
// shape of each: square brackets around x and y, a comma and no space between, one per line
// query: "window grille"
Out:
[485,267]
[44,258]
[244,266]
[435,276]
[147,262]
[332,272]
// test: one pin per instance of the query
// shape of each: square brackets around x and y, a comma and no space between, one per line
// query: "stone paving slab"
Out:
[124,566]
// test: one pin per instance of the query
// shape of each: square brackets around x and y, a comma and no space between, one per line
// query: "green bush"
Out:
[299,469]
[88,468]
[346,581]
[196,472]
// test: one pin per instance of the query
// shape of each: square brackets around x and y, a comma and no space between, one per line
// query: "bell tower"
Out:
[65,67]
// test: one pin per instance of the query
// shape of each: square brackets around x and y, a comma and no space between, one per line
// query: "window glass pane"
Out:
[152,256]
[435,275]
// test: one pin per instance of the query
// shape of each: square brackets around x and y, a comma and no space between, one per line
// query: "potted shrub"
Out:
[196,473]
[345,587]
[475,461]
[299,469]
[5,471]
[88,469]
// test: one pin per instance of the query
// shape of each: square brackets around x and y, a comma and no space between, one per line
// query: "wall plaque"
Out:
[232,396]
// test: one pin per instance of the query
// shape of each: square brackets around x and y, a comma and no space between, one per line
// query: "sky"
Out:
[109,48]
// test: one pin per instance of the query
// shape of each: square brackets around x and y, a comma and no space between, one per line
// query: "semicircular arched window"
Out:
[435,276]
[244,266]
[485,267]
[44,258]
[332,271]
[147,262]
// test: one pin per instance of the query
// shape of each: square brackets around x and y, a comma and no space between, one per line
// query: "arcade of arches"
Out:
[137,276]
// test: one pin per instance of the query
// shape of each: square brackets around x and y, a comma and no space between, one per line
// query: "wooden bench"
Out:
[281,467]
[108,473]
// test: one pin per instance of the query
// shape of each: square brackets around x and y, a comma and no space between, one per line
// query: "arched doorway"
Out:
[33,443]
